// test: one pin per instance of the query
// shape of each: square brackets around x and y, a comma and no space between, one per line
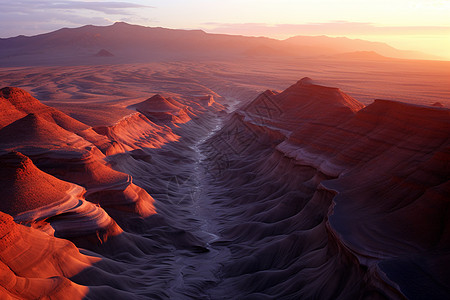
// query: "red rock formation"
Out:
[67,149]
[25,187]
[137,131]
[33,196]
[380,173]
[35,265]
[317,106]
[160,109]
[33,130]
[311,195]
[17,103]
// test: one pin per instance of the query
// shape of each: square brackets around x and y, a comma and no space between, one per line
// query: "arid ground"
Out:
[254,177]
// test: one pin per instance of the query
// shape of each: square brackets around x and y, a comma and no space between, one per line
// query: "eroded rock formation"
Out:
[300,194]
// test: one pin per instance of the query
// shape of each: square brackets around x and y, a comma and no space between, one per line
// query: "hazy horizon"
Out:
[428,56]
[418,25]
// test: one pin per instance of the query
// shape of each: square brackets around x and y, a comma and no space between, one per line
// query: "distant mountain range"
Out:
[134,43]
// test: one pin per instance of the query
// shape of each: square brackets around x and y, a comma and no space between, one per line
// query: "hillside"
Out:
[133,43]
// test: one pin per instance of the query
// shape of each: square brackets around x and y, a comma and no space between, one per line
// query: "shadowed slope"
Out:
[31,195]
[33,130]
[25,187]
[44,135]
[290,155]
[401,199]
[303,194]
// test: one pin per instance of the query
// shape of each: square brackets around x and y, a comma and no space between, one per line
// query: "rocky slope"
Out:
[333,200]
[300,194]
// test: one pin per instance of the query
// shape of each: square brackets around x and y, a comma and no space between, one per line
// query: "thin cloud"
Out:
[104,7]
[27,6]
[38,16]
[330,28]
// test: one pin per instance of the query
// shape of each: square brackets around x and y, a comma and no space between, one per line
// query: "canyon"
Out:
[224,179]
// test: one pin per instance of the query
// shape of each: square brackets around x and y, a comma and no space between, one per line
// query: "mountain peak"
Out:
[308,92]
[121,23]
[104,53]
[159,103]
[305,80]
[12,92]
[33,129]
[17,96]
[14,160]
[25,186]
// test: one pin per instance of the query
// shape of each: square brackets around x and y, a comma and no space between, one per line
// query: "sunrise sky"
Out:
[422,25]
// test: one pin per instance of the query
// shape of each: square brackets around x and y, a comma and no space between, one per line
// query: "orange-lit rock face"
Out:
[303,102]
[35,265]
[33,196]
[305,193]
[45,134]
[163,110]
[17,103]
[137,131]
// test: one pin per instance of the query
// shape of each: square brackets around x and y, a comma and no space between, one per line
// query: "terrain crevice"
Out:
[302,194]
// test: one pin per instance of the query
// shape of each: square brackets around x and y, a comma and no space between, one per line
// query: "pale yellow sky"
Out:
[422,25]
